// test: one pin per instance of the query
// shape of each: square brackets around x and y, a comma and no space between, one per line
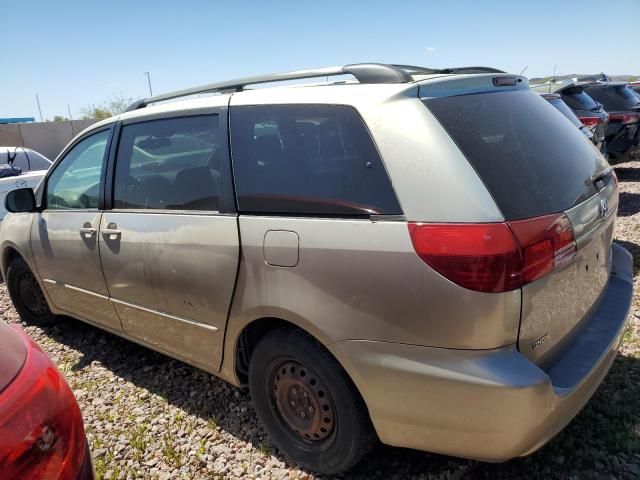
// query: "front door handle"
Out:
[112,229]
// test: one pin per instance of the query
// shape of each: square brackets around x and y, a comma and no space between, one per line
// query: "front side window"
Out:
[170,164]
[307,159]
[75,183]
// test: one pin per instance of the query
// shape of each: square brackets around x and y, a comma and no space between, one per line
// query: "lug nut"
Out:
[303,415]
[293,404]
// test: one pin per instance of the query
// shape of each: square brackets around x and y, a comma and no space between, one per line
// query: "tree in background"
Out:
[60,118]
[114,106]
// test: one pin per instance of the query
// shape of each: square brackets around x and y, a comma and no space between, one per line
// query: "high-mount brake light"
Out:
[495,257]
[504,81]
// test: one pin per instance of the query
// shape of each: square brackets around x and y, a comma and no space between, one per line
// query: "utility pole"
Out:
[149,81]
[39,109]
[554,71]
[69,110]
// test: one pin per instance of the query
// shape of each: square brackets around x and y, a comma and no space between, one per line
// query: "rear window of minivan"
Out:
[532,160]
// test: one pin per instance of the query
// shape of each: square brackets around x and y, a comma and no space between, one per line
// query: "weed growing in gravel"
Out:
[137,437]
[172,456]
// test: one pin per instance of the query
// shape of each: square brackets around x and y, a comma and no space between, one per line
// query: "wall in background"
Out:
[47,138]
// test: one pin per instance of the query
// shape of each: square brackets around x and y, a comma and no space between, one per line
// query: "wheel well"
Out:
[249,338]
[9,254]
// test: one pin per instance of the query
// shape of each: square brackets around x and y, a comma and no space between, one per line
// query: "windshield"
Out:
[530,158]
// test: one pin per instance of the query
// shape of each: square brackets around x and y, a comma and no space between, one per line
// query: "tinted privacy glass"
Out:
[613,97]
[307,159]
[565,110]
[577,99]
[75,182]
[170,164]
[530,158]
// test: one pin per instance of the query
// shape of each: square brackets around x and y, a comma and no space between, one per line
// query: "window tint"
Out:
[577,99]
[171,164]
[613,97]
[565,110]
[307,159]
[75,182]
[531,159]
[25,160]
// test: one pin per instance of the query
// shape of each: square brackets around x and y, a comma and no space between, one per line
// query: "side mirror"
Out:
[20,200]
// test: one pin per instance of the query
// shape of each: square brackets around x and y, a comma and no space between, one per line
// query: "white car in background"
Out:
[19,168]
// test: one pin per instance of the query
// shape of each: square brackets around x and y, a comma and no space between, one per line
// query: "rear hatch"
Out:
[538,166]
[620,102]
[590,112]
[13,353]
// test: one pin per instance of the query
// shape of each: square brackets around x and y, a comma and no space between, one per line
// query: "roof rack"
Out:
[371,73]
[363,72]
[455,70]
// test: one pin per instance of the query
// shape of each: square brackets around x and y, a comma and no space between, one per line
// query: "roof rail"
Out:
[363,72]
[455,70]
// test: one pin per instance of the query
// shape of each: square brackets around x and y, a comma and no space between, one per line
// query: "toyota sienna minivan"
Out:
[421,257]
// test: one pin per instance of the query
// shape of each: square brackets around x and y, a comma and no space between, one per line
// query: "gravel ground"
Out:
[148,416]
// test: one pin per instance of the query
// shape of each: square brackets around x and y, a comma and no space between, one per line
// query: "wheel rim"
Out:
[31,295]
[303,402]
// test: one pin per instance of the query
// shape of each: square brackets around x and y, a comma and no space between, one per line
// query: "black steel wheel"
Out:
[26,294]
[309,406]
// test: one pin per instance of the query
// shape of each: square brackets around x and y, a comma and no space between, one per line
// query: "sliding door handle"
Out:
[112,229]
[88,231]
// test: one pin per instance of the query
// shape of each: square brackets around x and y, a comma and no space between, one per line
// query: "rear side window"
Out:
[307,159]
[577,99]
[170,164]
[530,158]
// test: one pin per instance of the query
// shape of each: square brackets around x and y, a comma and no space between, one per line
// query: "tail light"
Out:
[624,118]
[495,257]
[590,122]
[41,430]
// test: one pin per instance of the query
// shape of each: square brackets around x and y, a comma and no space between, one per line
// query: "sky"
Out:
[82,53]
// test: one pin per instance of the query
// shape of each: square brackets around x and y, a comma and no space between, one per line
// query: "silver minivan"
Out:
[421,257]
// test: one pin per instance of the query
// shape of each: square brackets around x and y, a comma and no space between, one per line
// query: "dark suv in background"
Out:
[623,106]
[587,129]
[590,113]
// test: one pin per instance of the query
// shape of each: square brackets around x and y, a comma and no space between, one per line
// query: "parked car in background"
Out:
[623,107]
[394,257]
[41,430]
[556,100]
[590,113]
[635,86]
[19,168]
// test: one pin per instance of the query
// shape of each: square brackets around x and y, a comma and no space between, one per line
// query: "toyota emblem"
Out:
[603,208]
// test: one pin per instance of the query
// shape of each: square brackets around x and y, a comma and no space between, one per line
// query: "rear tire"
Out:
[308,405]
[26,294]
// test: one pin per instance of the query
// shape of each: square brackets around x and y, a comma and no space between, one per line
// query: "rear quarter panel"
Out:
[360,279]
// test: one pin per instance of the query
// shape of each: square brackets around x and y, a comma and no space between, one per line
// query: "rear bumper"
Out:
[486,404]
